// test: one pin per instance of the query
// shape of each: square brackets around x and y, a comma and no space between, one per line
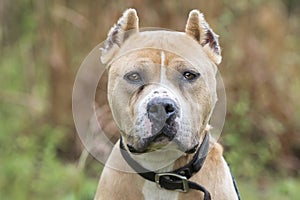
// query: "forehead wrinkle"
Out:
[143,60]
[149,54]
[139,60]
[181,64]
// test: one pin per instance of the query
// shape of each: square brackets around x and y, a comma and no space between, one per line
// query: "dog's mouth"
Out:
[150,144]
[157,142]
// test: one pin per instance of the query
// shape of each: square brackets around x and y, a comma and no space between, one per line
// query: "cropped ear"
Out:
[198,29]
[126,25]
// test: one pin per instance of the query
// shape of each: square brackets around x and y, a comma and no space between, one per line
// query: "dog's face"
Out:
[162,86]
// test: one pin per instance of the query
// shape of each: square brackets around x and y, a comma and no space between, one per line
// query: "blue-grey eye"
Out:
[133,77]
[190,75]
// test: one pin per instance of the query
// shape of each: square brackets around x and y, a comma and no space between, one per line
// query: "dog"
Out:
[162,91]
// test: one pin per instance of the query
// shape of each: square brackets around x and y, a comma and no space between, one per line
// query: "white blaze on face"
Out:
[163,77]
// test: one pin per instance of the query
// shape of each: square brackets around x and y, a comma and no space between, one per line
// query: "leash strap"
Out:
[177,179]
[234,184]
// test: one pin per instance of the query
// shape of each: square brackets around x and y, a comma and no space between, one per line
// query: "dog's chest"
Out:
[152,192]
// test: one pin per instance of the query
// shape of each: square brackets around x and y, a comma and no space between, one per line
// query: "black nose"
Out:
[161,110]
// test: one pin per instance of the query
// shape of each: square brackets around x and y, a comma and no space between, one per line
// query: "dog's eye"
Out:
[133,77]
[190,76]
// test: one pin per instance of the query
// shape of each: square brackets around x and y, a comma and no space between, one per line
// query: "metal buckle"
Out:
[182,178]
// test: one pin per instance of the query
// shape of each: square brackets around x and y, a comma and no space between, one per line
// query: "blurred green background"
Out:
[44,42]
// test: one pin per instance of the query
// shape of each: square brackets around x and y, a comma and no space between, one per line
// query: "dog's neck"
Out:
[182,161]
[161,161]
[168,159]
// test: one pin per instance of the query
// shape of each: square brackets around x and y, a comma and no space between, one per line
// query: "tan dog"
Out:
[162,91]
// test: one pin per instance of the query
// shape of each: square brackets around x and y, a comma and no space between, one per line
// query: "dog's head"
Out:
[162,86]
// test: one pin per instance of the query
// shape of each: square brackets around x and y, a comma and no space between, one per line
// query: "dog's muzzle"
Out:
[162,113]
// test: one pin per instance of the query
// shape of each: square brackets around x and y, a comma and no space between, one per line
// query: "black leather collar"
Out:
[177,179]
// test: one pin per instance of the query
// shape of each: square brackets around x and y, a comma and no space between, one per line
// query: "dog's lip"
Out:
[192,150]
[158,143]
[133,150]
[161,139]
[151,144]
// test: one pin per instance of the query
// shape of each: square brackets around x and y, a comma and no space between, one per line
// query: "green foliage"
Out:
[31,166]
[275,189]
[244,151]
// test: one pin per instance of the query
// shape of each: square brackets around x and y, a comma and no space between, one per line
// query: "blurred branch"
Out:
[34,103]
[82,160]
[71,16]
